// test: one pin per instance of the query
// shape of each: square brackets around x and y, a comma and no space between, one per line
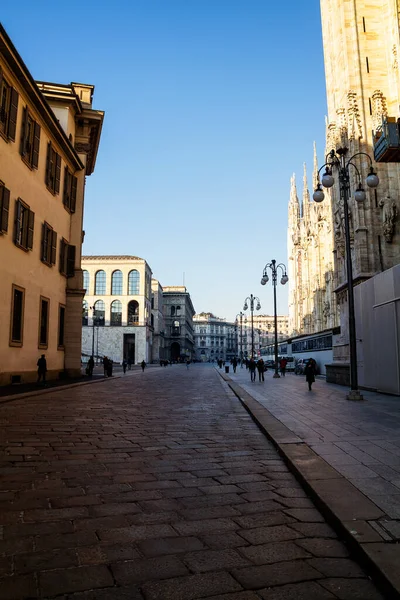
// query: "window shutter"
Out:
[36,144]
[62,257]
[12,123]
[66,187]
[48,164]
[71,261]
[74,184]
[31,221]
[53,247]
[23,131]
[17,223]
[44,245]
[4,208]
[58,173]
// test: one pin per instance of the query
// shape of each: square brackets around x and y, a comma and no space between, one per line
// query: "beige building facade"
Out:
[361,47]
[117,308]
[312,301]
[49,137]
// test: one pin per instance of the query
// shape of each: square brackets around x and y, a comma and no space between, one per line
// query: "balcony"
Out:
[387,141]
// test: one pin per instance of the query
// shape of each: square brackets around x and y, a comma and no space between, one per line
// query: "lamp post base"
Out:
[276,376]
[355,395]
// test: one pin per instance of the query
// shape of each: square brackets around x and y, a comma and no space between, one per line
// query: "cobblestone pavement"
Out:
[361,440]
[157,487]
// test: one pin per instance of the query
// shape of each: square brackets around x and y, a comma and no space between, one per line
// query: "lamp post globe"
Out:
[372,179]
[284,279]
[359,194]
[318,195]
[327,179]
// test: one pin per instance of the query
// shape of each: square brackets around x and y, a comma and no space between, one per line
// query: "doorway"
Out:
[129,347]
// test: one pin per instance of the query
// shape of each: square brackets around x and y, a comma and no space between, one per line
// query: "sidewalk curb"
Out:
[11,397]
[343,506]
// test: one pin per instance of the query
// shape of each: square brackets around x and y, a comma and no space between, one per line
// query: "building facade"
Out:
[117,314]
[263,333]
[178,313]
[49,137]
[361,46]
[157,321]
[214,338]
[312,301]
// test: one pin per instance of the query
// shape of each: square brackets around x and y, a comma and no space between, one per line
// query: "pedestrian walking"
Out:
[129,363]
[187,364]
[109,367]
[282,366]
[309,372]
[260,368]
[90,366]
[252,368]
[124,365]
[42,369]
[105,365]
[143,365]
[234,365]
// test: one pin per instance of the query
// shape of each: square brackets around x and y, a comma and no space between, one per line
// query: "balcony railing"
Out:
[387,141]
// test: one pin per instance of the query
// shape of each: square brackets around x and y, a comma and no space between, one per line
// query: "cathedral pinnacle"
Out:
[315,171]
[293,190]
[306,196]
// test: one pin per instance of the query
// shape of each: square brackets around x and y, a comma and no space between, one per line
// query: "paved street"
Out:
[361,440]
[158,486]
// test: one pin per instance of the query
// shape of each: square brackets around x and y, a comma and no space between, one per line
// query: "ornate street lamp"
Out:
[284,279]
[252,299]
[240,315]
[337,160]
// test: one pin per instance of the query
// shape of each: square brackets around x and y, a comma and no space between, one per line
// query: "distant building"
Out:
[214,338]
[178,318]
[263,331]
[117,314]
[157,321]
[49,137]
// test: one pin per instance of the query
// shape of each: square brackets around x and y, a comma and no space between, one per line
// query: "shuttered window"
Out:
[53,170]
[30,139]
[8,109]
[69,193]
[44,310]
[23,226]
[4,208]
[49,245]
[17,316]
[67,258]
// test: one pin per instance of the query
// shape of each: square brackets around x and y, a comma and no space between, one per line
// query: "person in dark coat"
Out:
[260,368]
[282,366]
[105,365]
[310,371]
[124,365]
[42,368]
[143,365]
[109,367]
[252,368]
[90,366]
[234,364]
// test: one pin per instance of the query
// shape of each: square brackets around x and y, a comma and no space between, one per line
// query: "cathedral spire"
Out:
[315,171]
[306,196]
[294,205]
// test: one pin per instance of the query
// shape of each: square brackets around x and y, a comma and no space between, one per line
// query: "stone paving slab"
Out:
[350,503]
[157,487]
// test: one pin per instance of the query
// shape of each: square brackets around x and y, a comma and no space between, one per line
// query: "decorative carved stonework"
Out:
[389,218]
[394,63]
[354,117]
[379,108]
[82,148]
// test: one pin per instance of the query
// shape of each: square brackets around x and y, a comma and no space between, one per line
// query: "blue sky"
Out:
[210,106]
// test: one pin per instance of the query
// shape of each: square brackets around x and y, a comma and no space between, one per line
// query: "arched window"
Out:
[100,283]
[86,280]
[85,313]
[99,313]
[172,311]
[116,313]
[178,311]
[133,283]
[116,283]
[133,312]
